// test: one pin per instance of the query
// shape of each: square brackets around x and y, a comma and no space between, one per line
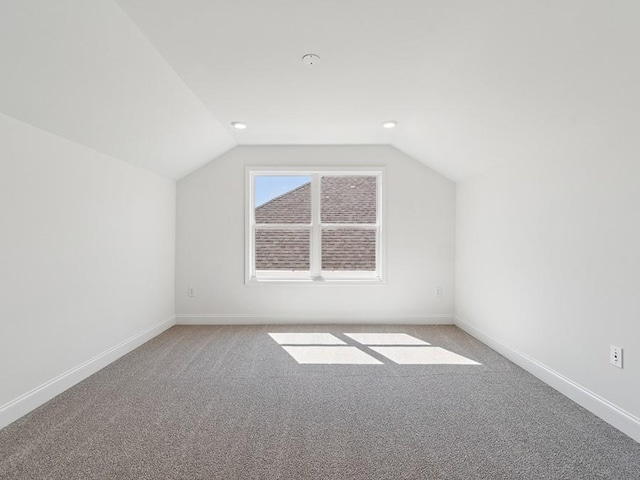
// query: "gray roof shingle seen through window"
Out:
[282,249]
[348,199]
[349,250]
[344,199]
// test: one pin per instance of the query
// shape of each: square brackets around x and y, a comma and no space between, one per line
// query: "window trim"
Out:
[316,275]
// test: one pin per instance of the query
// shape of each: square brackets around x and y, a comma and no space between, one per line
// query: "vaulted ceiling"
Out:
[471,83]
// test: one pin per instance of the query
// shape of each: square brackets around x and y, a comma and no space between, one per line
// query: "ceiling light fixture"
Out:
[390,124]
[311,59]
[239,125]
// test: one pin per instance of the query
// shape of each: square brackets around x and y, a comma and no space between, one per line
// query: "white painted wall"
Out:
[548,262]
[210,244]
[86,256]
[548,243]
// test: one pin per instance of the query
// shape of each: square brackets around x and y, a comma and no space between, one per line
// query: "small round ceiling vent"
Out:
[311,59]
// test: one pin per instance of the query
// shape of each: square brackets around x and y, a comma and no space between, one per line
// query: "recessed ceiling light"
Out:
[390,124]
[239,125]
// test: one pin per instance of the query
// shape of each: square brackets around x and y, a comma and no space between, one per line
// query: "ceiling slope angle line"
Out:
[112,92]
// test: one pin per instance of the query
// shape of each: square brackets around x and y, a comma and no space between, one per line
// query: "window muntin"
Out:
[343,231]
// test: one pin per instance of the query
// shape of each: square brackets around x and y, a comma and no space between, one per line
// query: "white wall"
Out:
[210,244]
[548,264]
[86,258]
[548,244]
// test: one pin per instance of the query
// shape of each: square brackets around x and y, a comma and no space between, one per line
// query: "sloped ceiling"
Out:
[81,69]
[471,83]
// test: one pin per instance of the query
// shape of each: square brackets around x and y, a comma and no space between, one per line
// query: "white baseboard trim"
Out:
[256,319]
[13,410]
[610,413]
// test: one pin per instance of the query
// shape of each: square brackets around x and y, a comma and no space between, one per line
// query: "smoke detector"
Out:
[311,59]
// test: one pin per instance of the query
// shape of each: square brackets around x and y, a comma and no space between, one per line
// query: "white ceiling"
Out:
[81,69]
[471,83]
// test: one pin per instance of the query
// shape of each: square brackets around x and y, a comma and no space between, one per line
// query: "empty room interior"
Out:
[305,239]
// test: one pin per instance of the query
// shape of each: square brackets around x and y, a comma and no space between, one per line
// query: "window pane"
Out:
[282,249]
[282,199]
[348,199]
[349,250]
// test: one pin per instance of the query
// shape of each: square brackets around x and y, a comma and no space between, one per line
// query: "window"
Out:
[314,225]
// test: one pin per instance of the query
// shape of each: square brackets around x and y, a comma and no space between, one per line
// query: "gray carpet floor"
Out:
[226,402]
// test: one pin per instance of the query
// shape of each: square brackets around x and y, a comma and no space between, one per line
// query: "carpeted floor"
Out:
[230,403]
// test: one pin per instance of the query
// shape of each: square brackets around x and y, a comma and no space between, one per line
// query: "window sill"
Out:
[315,281]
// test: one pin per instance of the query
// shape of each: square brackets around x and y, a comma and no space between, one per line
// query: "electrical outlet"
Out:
[437,292]
[192,291]
[615,356]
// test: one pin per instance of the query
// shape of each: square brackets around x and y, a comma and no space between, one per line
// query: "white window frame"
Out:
[315,275]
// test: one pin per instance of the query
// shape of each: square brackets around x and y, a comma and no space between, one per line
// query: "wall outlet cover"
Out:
[615,356]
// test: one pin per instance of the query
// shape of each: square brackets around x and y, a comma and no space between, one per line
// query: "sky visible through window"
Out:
[268,187]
